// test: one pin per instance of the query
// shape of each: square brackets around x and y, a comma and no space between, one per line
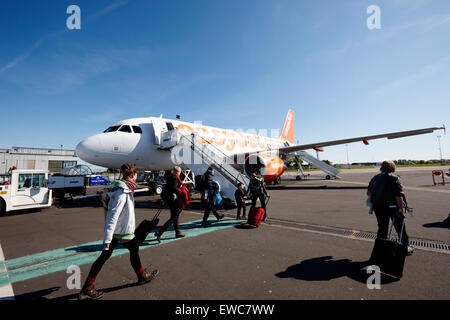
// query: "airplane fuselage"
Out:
[137,141]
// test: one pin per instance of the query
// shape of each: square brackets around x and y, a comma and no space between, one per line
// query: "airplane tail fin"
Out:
[288,129]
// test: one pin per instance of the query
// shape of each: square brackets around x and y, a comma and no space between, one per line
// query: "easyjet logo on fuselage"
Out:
[229,139]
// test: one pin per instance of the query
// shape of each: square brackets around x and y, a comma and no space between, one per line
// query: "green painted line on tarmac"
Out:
[40,264]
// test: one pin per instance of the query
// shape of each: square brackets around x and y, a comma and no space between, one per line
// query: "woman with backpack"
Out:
[119,228]
[174,192]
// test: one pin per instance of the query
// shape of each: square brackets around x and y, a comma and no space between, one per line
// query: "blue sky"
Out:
[232,64]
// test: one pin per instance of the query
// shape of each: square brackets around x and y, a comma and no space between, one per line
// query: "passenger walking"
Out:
[209,176]
[239,197]
[257,190]
[119,228]
[212,204]
[174,186]
[386,191]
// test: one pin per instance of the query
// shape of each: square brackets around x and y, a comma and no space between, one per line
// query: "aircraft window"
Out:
[111,129]
[137,129]
[125,129]
[169,125]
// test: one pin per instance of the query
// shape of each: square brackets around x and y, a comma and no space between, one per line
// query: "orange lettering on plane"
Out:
[241,140]
[205,133]
[185,128]
[231,140]
[218,137]
[252,141]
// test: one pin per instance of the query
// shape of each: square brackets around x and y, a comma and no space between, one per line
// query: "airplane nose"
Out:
[88,149]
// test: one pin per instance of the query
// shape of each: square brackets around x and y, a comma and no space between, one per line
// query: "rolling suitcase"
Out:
[255,216]
[145,227]
[390,255]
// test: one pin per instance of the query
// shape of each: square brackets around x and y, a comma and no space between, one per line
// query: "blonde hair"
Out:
[387,166]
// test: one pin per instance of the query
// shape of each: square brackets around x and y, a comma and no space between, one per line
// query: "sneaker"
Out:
[220,217]
[89,292]
[206,224]
[180,235]
[410,251]
[147,276]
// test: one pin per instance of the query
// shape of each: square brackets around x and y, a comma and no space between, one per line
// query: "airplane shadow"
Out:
[325,269]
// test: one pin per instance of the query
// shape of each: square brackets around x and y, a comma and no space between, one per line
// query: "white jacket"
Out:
[120,217]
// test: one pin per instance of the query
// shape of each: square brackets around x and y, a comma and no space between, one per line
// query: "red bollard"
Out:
[438,173]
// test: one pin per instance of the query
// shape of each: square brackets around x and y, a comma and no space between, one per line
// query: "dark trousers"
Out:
[262,200]
[210,207]
[174,216]
[239,207]
[131,245]
[383,217]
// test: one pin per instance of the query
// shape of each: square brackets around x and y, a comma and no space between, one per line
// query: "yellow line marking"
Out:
[355,232]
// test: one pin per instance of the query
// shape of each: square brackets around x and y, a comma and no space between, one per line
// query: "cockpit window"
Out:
[111,129]
[137,129]
[125,129]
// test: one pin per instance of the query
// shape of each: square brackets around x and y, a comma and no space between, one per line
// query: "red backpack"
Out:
[184,196]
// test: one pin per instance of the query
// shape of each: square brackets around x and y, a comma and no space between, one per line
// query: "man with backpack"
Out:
[257,190]
[173,195]
[213,202]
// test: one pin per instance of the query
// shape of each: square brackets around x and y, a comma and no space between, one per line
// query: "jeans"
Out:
[239,207]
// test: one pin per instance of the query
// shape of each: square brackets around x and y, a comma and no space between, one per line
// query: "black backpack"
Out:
[200,183]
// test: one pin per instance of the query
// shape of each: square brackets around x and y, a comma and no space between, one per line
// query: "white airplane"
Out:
[139,142]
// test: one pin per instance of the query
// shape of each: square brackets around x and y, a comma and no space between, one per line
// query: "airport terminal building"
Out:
[24,158]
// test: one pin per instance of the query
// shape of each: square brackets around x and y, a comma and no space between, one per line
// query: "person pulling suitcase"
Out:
[386,194]
[389,255]
[257,190]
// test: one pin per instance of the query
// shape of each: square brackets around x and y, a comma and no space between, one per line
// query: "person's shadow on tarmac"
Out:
[325,269]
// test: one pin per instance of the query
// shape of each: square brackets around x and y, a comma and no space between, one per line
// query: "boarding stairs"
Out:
[205,154]
[331,171]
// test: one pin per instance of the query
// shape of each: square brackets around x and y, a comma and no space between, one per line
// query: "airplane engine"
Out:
[272,166]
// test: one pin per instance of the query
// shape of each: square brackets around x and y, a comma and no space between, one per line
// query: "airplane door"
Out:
[159,127]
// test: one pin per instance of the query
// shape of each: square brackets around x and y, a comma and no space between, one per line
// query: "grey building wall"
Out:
[36,158]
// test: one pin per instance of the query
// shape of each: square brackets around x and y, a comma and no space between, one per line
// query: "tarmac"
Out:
[315,245]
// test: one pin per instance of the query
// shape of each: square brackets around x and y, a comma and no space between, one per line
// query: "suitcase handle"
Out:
[401,230]
[157,213]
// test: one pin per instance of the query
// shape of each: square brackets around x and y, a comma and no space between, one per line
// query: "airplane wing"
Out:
[364,139]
